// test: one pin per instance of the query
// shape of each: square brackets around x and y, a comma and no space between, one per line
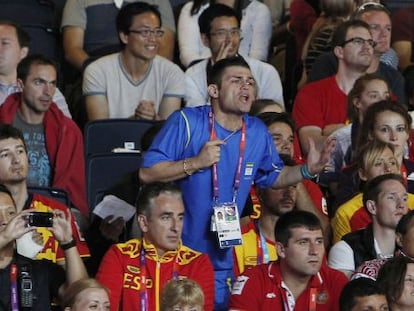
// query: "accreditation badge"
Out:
[227,224]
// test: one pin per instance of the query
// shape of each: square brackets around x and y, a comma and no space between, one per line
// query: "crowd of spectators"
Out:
[278,174]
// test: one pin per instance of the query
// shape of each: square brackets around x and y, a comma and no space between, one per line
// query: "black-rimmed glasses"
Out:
[360,41]
[148,32]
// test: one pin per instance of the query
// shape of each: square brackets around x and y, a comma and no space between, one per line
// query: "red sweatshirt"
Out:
[64,144]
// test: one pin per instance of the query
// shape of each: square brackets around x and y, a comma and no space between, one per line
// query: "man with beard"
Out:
[384,61]
[258,235]
[14,49]
[218,152]
[54,142]
[320,107]
[299,280]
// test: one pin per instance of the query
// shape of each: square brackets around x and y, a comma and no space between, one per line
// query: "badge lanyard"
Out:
[312,299]
[404,172]
[13,283]
[262,251]
[143,272]
[242,147]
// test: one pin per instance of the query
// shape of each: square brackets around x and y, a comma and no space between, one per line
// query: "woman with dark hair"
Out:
[387,121]
[396,278]
[367,90]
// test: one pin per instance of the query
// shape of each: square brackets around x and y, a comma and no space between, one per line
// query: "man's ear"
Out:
[280,248]
[23,52]
[143,222]
[371,207]
[213,90]
[205,40]
[123,37]
[20,83]
[339,52]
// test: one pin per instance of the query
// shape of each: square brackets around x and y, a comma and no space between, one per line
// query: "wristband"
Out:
[68,245]
[185,168]
[305,172]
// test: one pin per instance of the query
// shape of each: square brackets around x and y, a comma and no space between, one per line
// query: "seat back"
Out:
[102,136]
[104,170]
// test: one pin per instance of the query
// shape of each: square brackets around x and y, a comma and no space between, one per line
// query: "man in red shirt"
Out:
[320,107]
[299,280]
[136,271]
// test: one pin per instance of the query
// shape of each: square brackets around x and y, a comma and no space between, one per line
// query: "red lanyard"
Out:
[313,293]
[242,148]
[143,275]
[13,283]
[312,299]
[403,170]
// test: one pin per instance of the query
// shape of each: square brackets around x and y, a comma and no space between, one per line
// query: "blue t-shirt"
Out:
[40,173]
[183,136]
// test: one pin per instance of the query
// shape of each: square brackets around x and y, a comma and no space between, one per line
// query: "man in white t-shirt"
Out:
[220,32]
[134,83]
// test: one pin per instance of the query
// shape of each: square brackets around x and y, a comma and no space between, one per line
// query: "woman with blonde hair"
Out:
[375,158]
[86,294]
[182,295]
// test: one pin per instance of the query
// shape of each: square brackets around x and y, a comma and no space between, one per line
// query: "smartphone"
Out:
[39,219]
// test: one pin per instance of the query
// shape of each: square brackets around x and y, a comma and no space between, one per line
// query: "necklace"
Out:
[230,135]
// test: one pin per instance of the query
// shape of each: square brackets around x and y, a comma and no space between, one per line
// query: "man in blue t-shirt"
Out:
[216,153]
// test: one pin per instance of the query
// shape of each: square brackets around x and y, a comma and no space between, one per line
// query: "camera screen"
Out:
[39,219]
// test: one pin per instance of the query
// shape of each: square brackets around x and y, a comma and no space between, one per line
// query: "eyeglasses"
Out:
[223,33]
[239,81]
[148,32]
[368,6]
[360,41]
